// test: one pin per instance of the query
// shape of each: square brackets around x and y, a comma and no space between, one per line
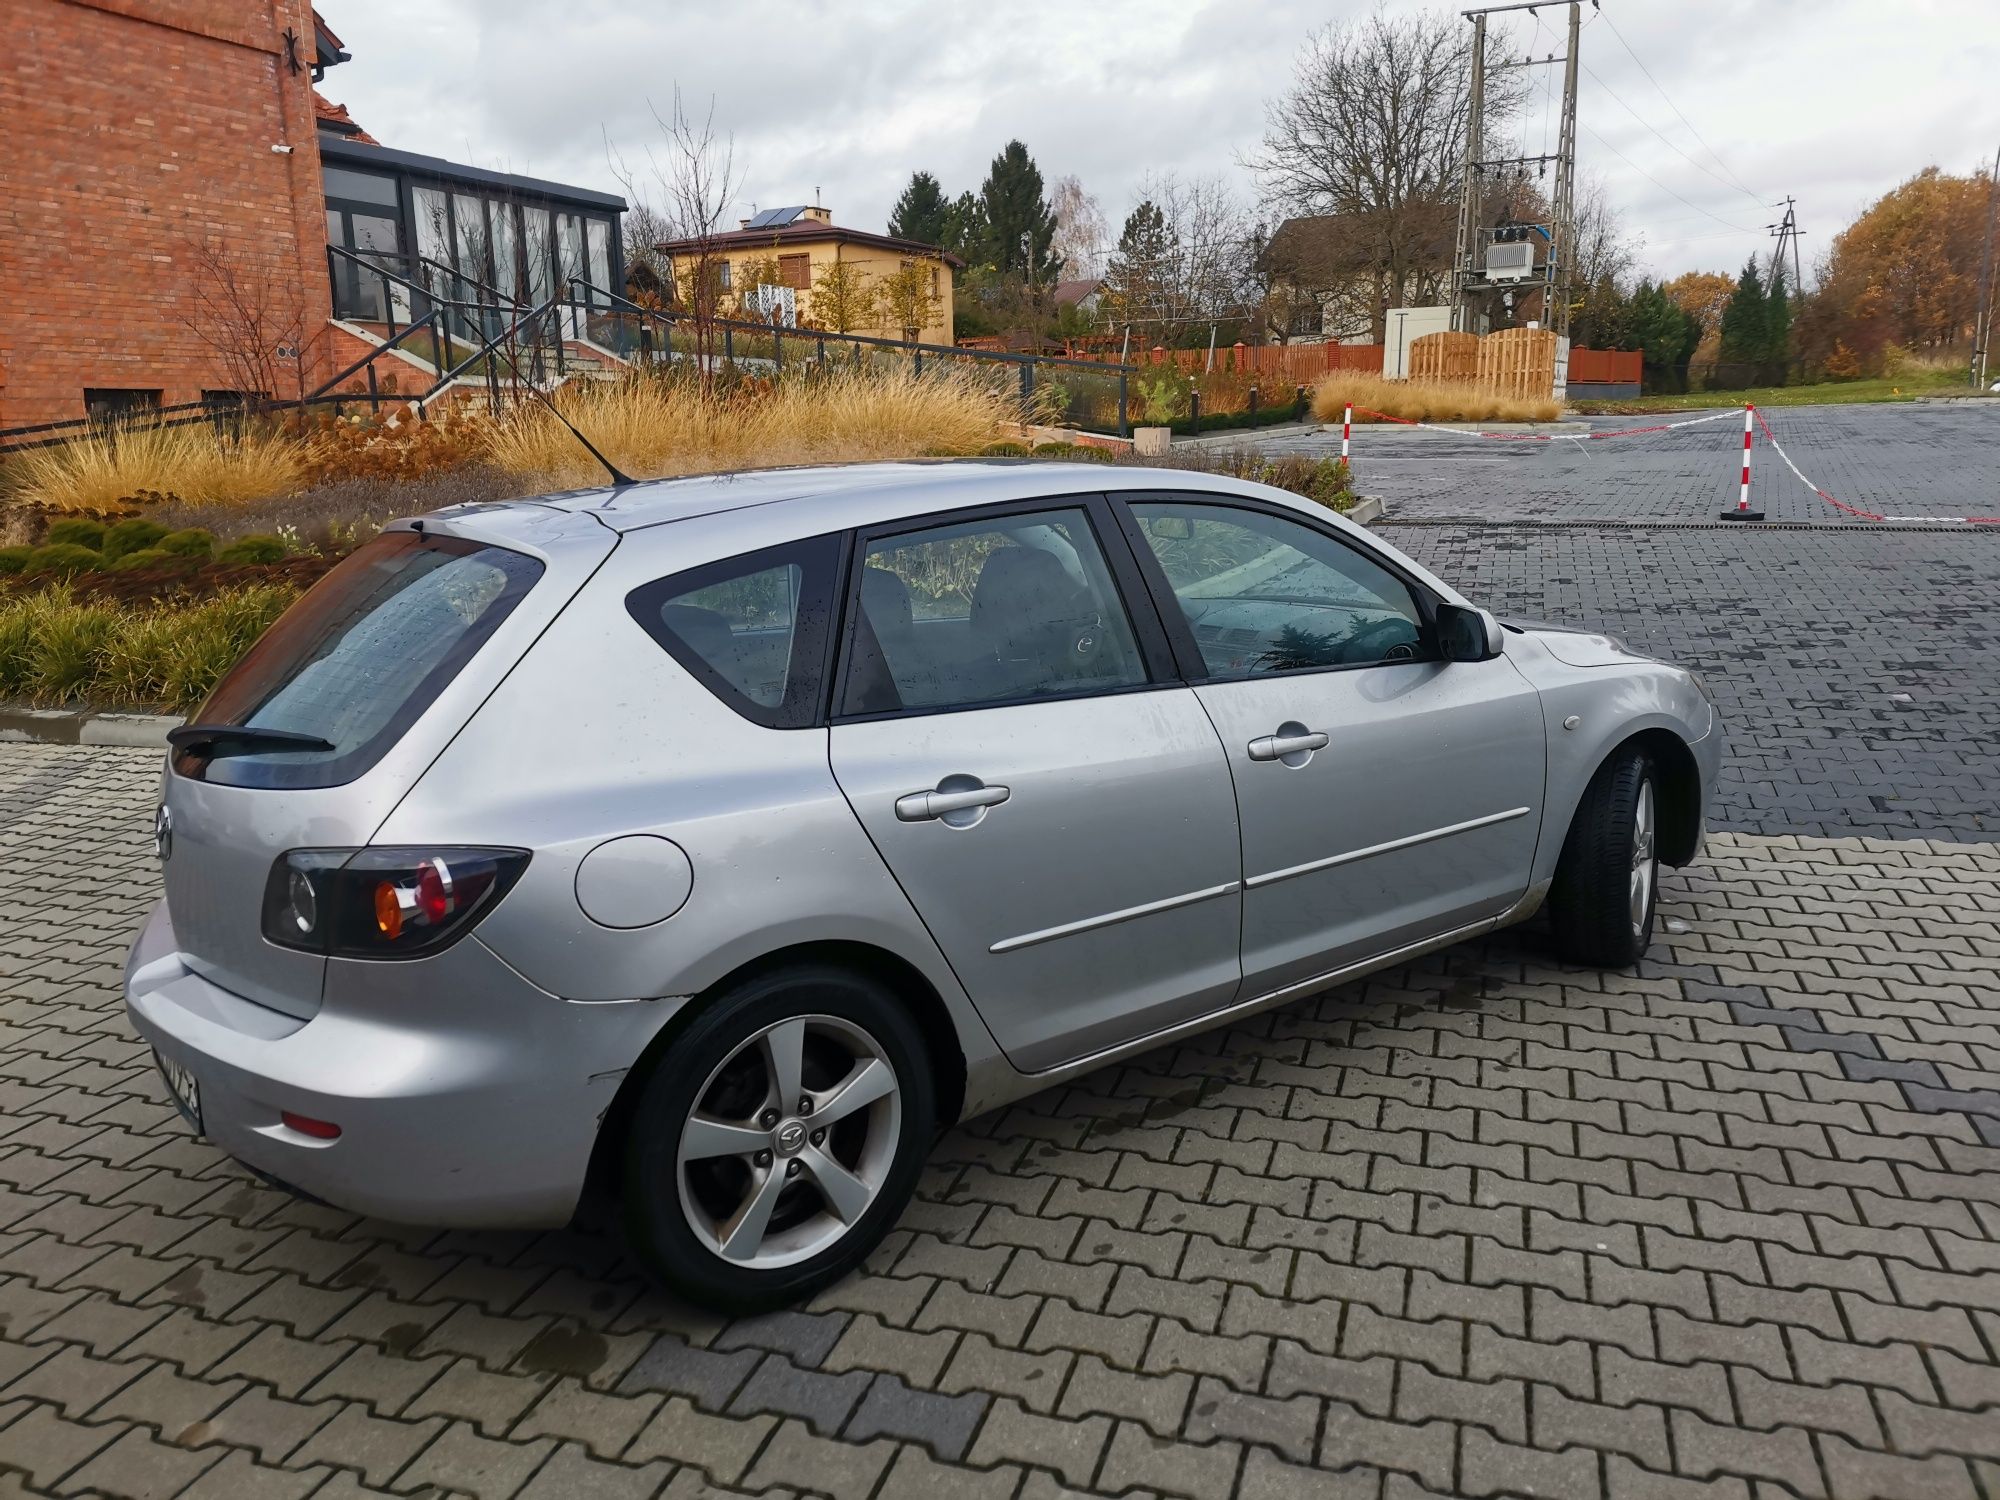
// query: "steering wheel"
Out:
[1357,650]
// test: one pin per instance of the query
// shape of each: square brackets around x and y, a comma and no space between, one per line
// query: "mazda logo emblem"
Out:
[791,1136]
[163,834]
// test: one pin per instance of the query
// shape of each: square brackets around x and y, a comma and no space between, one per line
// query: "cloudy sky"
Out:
[1832,101]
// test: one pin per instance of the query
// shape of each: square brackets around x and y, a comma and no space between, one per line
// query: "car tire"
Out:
[1606,890]
[712,1146]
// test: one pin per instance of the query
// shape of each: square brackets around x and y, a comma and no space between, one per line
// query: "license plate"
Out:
[181,1084]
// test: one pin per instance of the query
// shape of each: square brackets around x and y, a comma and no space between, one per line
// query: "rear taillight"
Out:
[383,903]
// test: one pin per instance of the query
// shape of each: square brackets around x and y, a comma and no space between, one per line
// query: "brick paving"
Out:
[1728,1226]
[1922,459]
[1858,671]
[1723,1228]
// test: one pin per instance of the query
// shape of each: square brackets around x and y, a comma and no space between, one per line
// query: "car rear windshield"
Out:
[354,662]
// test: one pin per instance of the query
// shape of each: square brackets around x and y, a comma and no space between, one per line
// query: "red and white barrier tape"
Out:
[1542,437]
[1855,510]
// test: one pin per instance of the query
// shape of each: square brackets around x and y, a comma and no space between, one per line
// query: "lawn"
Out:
[1905,387]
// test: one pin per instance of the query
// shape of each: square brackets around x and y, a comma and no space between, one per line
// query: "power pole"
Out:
[1982,318]
[1786,230]
[1469,195]
[1562,233]
[1468,275]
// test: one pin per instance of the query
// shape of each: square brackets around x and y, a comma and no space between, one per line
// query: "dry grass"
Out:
[655,428]
[100,472]
[1424,401]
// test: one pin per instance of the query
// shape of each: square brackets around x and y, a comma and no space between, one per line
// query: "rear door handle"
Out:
[944,800]
[1278,746]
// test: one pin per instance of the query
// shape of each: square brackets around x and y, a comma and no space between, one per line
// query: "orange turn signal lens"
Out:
[388,910]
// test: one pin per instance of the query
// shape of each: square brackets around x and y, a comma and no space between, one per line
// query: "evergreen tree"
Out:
[1137,272]
[1021,225]
[1745,327]
[1665,334]
[965,231]
[1778,329]
[921,213]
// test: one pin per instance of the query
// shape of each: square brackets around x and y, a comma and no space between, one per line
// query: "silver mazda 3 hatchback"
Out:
[719,841]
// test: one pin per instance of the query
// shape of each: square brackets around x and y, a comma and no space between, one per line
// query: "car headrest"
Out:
[885,599]
[1021,593]
[705,632]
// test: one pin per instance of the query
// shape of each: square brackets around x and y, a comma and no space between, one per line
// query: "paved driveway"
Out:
[1727,1226]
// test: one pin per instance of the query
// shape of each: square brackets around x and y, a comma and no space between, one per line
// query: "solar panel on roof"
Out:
[775,218]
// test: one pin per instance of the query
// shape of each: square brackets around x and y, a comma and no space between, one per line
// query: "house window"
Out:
[112,402]
[934,282]
[795,271]
[722,275]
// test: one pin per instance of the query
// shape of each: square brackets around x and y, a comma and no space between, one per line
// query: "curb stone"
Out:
[56,726]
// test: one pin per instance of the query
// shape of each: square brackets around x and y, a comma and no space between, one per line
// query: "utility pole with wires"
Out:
[1982,317]
[1786,231]
[1476,271]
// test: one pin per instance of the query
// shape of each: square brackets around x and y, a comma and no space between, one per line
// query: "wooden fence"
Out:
[1606,366]
[1291,364]
[1444,356]
[1512,362]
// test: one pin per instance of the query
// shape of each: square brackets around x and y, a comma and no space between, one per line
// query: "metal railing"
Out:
[453,327]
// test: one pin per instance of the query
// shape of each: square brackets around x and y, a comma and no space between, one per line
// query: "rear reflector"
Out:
[319,1130]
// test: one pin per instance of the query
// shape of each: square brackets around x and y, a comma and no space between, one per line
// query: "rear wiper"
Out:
[219,737]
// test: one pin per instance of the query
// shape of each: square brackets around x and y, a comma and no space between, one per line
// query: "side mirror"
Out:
[1466,634]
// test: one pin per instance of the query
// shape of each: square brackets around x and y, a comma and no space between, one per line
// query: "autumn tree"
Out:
[1904,274]
[844,299]
[910,300]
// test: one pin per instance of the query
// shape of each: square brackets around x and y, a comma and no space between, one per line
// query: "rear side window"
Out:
[366,650]
[752,629]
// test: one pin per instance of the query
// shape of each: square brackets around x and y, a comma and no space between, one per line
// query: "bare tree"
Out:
[1371,132]
[694,171]
[646,269]
[1184,259]
[1080,229]
[252,318]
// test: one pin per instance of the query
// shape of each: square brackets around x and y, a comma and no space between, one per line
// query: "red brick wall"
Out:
[138,131]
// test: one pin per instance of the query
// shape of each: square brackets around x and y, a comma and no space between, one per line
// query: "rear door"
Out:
[381,661]
[1055,804]
[1386,796]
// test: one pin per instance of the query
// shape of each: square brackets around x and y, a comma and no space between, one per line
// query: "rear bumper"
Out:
[465,1095]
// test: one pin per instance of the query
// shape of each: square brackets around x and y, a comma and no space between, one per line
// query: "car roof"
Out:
[809,500]
[896,488]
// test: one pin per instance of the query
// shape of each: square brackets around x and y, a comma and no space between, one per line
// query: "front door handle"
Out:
[1291,744]
[959,801]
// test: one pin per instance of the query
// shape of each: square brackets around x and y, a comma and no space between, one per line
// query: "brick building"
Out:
[168,164]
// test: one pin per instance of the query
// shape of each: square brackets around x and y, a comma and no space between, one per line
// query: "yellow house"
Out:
[797,265]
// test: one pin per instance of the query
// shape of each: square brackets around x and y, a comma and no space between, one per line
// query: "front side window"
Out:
[751,629]
[990,611]
[1264,594]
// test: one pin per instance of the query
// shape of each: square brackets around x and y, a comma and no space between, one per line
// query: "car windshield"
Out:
[354,662]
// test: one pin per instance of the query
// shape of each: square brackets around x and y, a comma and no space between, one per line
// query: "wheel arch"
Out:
[927,1007]
[1679,790]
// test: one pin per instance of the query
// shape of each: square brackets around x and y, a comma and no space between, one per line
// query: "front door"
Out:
[1057,808]
[1385,796]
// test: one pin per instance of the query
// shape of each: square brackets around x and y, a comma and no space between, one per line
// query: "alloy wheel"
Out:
[1645,864]
[789,1142]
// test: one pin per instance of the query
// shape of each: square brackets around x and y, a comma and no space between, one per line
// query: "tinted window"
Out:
[753,629]
[1264,594]
[988,611]
[367,649]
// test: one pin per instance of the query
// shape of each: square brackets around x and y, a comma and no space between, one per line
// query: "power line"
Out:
[1738,181]
[1664,138]
[1705,213]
